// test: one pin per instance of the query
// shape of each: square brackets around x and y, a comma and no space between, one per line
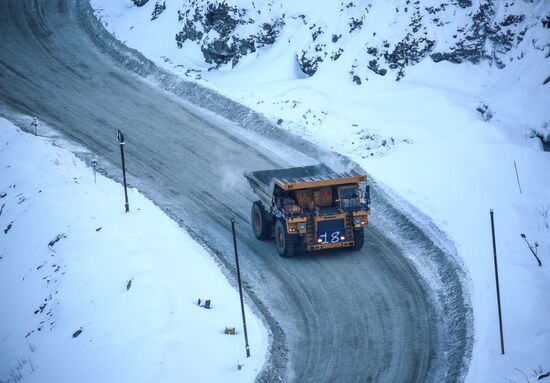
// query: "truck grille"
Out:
[330,232]
[332,225]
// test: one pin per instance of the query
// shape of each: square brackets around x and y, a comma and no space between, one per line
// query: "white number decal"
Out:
[334,237]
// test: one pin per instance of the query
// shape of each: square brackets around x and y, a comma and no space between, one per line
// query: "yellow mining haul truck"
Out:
[310,208]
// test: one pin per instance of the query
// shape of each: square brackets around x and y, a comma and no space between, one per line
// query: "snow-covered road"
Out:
[339,316]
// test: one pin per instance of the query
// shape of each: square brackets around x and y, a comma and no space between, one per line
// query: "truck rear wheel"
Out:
[286,243]
[262,223]
[358,238]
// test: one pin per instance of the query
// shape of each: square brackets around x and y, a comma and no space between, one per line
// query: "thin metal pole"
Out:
[517,177]
[126,205]
[121,142]
[247,347]
[498,288]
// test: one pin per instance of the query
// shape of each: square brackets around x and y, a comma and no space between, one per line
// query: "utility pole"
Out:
[498,288]
[247,347]
[120,138]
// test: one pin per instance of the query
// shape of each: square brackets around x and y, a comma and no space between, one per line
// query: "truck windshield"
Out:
[349,193]
[349,197]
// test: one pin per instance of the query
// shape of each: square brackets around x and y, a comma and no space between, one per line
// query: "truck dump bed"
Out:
[264,181]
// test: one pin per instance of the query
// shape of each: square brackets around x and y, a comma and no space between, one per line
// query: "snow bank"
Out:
[93,294]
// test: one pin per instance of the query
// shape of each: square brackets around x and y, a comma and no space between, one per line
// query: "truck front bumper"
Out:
[331,245]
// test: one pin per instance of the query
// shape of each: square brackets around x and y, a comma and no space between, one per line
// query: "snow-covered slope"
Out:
[92,294]
[439,101]
[250,43]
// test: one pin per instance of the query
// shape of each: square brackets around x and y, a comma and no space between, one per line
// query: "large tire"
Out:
[359,238]
[262,223]
[286,243]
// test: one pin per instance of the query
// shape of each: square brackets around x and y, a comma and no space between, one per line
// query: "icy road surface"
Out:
[336,316]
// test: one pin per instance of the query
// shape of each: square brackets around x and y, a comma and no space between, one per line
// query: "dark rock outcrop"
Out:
[140,3]
[215,28]
[159,8]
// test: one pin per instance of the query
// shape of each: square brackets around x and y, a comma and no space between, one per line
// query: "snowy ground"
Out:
[424,139]
[93,294]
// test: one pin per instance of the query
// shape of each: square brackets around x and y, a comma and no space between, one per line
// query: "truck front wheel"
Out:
[286,243]
[262,223]
[358,238]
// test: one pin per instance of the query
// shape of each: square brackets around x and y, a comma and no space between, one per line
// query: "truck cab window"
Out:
[349,197]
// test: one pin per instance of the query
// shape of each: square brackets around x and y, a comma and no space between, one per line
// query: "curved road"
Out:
[346,317]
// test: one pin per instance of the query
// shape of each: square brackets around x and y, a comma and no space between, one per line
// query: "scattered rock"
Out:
[373,66]
[77,332]
[309,63]
[55,240]
[485,112]
[159,8]
[40,308]
[8,227]
[355,24]
[140,3]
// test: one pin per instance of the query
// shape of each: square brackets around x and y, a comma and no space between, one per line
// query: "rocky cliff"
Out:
[384,38]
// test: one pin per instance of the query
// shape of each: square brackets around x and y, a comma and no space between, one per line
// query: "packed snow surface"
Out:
[93,294]
[446,138]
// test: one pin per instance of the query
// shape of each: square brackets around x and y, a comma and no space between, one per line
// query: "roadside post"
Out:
[34,125]
[120,138]
[94,164]
[247,347]
[498,288]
